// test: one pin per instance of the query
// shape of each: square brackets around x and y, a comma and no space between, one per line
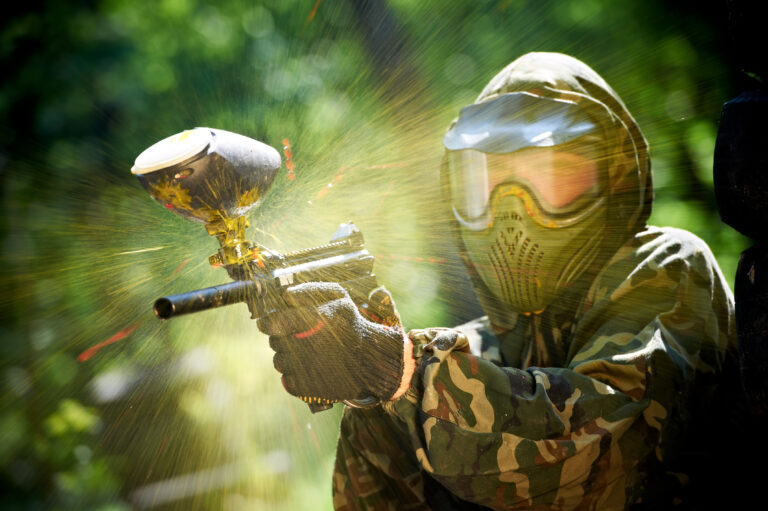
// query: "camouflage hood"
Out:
[630,189]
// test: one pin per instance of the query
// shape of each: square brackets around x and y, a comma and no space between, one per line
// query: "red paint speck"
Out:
[122,334]
[311,15]
[179,267]
[312,331]
[288,159]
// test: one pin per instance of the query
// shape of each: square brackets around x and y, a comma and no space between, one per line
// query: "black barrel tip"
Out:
[164,308]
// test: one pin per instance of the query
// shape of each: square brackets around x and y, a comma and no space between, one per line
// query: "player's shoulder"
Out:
[672,239]
[660,252]
[661,246]
[675,251]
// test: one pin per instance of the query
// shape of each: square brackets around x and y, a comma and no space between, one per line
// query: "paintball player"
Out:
[590,382]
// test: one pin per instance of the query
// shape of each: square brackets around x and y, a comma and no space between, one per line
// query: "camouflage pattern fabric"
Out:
[595,412]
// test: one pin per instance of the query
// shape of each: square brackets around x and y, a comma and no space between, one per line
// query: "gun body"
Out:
[259,282]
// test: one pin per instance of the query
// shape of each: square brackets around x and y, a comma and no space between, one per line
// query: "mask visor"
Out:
[516,120]
[548,147]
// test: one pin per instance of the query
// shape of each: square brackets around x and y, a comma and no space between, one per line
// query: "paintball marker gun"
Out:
[216,177]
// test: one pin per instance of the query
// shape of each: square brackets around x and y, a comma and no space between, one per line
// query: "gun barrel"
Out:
[208,298]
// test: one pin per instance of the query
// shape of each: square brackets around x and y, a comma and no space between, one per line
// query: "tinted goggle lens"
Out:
[546,147]
[559,181]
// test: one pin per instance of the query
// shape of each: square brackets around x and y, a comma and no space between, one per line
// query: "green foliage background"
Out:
[190,414]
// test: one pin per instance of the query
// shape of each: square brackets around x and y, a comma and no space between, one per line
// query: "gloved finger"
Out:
[381,307]
[277,361]
[313,294]
[277,343]
[295,383]
[288,321]
[288,356]
[288,385]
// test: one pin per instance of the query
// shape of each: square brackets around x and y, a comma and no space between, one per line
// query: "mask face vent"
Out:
[515,261]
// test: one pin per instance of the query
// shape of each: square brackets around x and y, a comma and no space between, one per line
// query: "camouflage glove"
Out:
[327,351]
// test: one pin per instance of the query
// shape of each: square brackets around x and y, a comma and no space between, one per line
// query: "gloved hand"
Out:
[328,351]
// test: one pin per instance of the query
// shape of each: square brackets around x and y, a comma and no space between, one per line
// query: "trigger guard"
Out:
[367,402]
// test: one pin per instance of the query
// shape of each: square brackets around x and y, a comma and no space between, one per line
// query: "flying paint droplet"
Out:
[311,15]
[179,267]
[122,334]
[288,159]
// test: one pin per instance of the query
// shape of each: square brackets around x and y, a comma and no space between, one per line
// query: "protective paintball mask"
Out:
[528,188]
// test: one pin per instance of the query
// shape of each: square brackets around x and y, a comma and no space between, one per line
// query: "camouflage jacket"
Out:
[599,410]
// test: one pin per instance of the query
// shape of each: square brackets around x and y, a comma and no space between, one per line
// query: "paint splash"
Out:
[343,170]
[288,159]
[157,457]
[384,196]
[180,266]
[122,334]
[312,14]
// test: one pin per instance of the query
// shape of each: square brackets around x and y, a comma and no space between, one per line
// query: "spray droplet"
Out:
[288,159]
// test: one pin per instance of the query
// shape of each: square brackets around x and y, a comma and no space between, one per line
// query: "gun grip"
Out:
[319,407]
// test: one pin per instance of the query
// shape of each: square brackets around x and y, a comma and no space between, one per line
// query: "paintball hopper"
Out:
[210,176]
